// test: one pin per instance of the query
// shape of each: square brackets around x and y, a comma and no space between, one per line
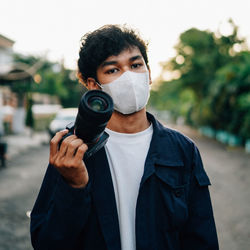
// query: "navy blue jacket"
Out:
[173,209]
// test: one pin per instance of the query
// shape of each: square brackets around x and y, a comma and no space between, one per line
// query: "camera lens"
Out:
[97,103]
[94,112]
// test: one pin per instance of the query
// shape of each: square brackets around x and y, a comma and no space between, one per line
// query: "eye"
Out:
[111,71]
[136,65]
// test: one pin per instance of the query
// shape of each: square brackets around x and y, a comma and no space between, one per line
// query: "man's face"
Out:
[114,66]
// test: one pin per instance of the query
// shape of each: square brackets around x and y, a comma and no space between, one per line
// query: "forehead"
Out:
[126,54]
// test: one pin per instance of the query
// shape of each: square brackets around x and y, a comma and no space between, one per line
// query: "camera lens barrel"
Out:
[94,112]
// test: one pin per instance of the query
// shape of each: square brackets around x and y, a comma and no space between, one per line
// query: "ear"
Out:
[149,73]
[91,84]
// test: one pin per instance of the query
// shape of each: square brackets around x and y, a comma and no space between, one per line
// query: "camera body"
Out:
[94,111]
[92,147]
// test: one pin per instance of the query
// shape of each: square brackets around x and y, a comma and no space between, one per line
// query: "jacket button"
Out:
[178,192]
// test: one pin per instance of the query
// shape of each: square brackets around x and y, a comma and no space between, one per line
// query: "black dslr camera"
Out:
[94,112]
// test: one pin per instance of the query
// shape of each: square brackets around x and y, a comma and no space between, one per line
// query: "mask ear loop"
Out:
[99,84]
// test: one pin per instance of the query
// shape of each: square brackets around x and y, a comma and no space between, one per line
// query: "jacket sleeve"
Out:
[59,214]
[199,233]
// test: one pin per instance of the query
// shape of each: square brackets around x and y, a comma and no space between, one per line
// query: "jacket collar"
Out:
[163,149]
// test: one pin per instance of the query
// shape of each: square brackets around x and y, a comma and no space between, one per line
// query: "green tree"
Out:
[230,96]
[212,87]
[51,78]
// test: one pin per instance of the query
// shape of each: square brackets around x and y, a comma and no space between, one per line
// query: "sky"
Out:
[55,27]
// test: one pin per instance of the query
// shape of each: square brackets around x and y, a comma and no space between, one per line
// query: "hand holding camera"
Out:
[69,147]
[67,158]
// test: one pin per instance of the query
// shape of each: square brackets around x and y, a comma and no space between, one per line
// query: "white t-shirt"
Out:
[126,156]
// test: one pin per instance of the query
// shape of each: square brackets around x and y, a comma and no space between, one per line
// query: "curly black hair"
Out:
[106,41]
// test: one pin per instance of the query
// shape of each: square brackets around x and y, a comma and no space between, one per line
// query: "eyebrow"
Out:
[135,58]
[107,63]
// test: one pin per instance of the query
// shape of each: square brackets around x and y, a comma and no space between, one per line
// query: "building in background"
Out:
[6,55]
[12,73]
[7,98]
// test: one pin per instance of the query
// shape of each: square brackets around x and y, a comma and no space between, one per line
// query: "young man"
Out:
[145,190]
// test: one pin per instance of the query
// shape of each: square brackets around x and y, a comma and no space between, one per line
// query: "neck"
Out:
[129,124]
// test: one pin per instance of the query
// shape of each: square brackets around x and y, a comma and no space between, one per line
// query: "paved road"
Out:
[19,185]
[228,169]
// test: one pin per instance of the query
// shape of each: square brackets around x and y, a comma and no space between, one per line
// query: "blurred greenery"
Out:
[210,83]
[51,78]
[29,116]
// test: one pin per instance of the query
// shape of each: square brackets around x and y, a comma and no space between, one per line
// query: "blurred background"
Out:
[199,56]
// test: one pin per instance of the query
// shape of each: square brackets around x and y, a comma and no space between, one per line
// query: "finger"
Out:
[65,144]
[80,152]
[55,140]
[72,147]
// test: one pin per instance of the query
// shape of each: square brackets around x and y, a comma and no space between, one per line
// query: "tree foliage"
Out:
[213,83]
[51,78]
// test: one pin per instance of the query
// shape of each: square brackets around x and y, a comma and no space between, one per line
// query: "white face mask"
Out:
[130,91]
